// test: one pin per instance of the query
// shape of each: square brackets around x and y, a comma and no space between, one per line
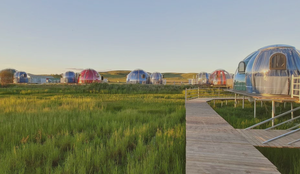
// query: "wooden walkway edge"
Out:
[214,146]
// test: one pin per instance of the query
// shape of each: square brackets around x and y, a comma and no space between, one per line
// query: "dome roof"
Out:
[276,46]
[268,70]
[138,76]
[69,74]
[89,76]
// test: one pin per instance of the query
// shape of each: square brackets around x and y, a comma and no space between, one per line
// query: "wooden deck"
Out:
[214,146]
[257,136]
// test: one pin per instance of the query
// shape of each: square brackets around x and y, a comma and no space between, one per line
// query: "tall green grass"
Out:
[96,88]
[242,118]
[90,132]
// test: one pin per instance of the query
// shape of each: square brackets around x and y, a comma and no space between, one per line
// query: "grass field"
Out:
[286,160]
[81,129]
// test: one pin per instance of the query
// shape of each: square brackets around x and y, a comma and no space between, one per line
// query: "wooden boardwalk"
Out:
[257,136]
[214,146]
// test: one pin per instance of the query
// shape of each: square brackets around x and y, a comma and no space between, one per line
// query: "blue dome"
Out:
[156,78]
[20,77]
[138,76]
[203,78]
[68,77]
[268,70]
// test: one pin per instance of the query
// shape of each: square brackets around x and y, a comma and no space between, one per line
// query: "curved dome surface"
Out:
[89,76]
[20,77]
[203,78]
[219,77]
[156,78]
[268,70]
[69,77]
[138,76]
[7,75]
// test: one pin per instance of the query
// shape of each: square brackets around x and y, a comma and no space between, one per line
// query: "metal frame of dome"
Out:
[138,76]
[219,77]
[20,77]
[156,78]
[89,76]
[268,70]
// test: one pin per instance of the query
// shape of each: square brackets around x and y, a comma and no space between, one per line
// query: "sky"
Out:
[51,37]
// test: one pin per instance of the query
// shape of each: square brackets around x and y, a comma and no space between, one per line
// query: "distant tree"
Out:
[56,75]
[6,77]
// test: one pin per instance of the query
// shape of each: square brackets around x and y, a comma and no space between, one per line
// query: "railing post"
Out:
[273,111]
[292,86]
[185,94]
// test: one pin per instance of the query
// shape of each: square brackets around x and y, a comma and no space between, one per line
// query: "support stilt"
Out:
[273,111]
[243,102]
[235,100]
[254,108]
[292,113]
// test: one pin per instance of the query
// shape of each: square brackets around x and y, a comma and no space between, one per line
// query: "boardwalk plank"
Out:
[214,146]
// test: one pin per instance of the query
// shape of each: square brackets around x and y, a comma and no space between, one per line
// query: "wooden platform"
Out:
[214,146]
[257,136]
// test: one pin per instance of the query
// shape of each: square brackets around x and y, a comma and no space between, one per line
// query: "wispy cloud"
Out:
[80,69]
[75,69]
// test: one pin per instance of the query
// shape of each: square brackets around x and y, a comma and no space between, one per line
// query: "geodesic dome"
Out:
[7,75]
[138,76]
[219,77]
[156,78]
[203,78]
[89,76]
[68,77]
[268,70]
[20,77]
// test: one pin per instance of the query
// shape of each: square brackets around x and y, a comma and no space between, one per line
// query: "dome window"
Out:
[278,62]
[242,67]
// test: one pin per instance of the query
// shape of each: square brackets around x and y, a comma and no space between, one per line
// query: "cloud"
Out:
[75,69]
[80,69]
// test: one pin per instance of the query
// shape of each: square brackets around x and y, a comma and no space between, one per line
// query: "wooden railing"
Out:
[295,87]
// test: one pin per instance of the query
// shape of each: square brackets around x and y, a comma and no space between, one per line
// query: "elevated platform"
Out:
[267,97]
[214,146]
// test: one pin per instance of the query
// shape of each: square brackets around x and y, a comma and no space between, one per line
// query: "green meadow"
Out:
[92,129]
